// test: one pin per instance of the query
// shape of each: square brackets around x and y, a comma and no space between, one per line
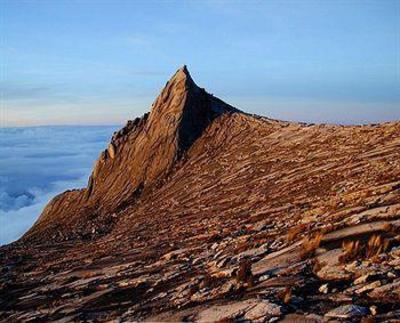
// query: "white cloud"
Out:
[38,163]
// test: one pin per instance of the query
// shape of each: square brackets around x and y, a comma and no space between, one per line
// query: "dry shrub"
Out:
[376,245]
[294,232]
[244,273]
[285,295]
[310,244]
[389,227]
[209,282]
[333,202]
[352,251]
[317,265]
[220,274]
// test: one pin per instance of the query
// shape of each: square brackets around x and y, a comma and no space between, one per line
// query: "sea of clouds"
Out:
[37,163]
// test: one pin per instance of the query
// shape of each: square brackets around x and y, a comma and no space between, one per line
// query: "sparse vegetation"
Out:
[209,281]
[286,295]
[351,251]
[310,244]
[388,227]
[355,250]
[293,232]
[317,265]
[376,245]
[244,273]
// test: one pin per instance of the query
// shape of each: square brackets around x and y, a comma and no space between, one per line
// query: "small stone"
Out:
[368,287]
[352,266]
[196,261]
[323,289]
[214,246]
[389,291]
[259,226]
[362,279]
[162,295]
[263,277]
[219,253]
[227,287]
[173,254]
[263,309]
[395,252]
[348,311]
[395,262]
[334,273]
[223,262]
[111,150]
[373,309]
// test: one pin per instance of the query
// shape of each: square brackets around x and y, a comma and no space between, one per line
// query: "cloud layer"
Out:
[37,163]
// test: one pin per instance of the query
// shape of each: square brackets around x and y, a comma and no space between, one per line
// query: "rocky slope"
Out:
[200,212]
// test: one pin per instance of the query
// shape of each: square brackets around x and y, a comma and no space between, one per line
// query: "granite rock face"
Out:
[139,155]
[200,212]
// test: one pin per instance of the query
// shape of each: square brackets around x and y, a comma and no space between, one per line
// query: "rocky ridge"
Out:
[140,154]
[200,212]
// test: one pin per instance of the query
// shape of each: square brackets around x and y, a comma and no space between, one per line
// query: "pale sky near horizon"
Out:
[102,62]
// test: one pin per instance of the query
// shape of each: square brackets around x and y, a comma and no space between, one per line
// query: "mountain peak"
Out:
[182,111]
[173,96]
[182,73]
[184,70]
[181,80]
[140,154]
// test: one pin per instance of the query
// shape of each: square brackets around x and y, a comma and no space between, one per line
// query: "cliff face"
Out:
[139,155]
[200,212]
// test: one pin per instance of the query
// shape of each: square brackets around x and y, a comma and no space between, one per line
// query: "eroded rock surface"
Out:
[200,212]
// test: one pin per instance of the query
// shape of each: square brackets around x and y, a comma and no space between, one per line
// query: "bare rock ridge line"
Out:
[198,212]
[139,154]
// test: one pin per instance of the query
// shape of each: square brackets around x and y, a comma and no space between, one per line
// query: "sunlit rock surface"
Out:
[198,211]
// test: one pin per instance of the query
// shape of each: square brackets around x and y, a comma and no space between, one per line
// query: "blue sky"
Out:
[102,62]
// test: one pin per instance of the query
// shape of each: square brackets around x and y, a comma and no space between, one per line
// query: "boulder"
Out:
[348,311]
[389,292]
[263,309]
[252,309]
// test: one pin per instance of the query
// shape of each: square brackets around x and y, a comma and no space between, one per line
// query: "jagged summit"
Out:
[139,155]
[183,74]
[183,110]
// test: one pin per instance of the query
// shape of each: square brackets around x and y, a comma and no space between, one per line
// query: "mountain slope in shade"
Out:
[201,212]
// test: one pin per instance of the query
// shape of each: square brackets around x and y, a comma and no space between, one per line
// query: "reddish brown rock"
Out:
[184,195]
